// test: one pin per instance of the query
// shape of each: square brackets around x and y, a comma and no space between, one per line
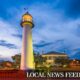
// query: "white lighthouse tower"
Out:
[27,57]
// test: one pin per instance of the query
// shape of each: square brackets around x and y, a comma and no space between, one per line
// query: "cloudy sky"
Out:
[57,26]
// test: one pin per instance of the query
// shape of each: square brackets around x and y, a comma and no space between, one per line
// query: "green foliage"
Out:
[16,59]
[42,69]
[39,60]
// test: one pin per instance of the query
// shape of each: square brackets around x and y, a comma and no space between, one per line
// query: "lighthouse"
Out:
[27,57]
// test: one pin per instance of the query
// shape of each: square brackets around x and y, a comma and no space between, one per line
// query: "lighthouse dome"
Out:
[27,17]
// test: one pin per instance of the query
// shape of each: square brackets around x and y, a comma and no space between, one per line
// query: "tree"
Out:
[39,60]
[16,59]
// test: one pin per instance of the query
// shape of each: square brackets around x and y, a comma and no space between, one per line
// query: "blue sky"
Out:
[57,26]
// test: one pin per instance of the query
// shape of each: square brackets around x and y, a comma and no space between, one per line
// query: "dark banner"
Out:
[24,75]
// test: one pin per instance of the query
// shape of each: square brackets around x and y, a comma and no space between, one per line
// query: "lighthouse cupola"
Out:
[27,19]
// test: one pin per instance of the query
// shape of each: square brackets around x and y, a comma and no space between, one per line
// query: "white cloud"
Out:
[55,26]
[6,31]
